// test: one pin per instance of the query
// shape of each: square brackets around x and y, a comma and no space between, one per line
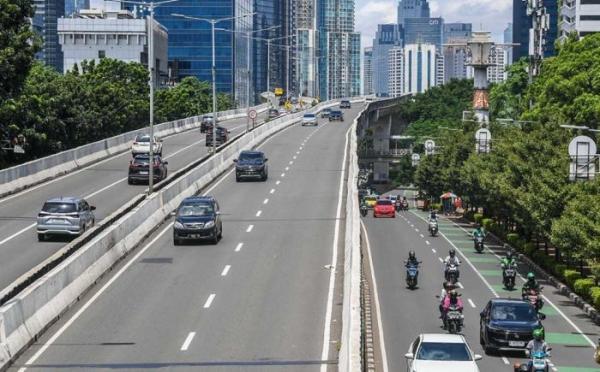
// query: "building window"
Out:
[101,54]
[589,18]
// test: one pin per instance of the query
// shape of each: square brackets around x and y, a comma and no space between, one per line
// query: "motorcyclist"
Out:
[507,262]
[446,287]
[412,259]
[432,216]
[536,345]
[451,300]
[449,260]
[532,285]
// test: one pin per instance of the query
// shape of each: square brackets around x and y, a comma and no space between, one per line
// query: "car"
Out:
[273,113]
[371,200]
[384,208]
[310,119]
[435,352]
[393,198]
[197,218]
[508,324]
[336,115]
[141,145]
[325,112]
[294,100]
[222,136]
[251,164]
[139,168]
[206,122]
[345,104]
[70,216]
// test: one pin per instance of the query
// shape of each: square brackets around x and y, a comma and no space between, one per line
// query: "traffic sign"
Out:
[252,114]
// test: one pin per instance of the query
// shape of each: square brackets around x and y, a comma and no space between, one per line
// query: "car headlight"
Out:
[178,225]
[209,224]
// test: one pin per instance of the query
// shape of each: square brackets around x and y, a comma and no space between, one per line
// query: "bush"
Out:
[530,249]
[487,223]
[595,269]
[595,297]
[582,287]
[571,276]
[478,217]
[436,207]
[559,269]
[512,238]
[469,215]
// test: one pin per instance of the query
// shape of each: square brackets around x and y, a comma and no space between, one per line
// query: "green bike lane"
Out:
[568,330]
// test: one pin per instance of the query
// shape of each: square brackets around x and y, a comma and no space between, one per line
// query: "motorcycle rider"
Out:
[446,287]
[363,207]
[451,300]
[531,285]
[507,262]
[412,259]
[536,345]
[449,260]
[479,232]
[404,203]
[432,216]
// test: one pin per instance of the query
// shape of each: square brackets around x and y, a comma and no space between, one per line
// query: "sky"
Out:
[487,15]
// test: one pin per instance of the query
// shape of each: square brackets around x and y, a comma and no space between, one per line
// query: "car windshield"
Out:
[143,159]
[310,116]
[336,112]
[384,202]
[59,207]
[516,312]
[188,210]
[250,158]
[444,352]
[143,139]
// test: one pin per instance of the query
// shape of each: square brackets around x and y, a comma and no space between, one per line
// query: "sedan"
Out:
[139,169]
[309,119]
[206,123]
[197,218]
[345,104]
[384,208]
[141,145]
[336,115]
[325,113]
[432,352]
[64,216]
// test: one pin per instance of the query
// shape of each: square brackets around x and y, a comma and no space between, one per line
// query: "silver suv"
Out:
[64,216]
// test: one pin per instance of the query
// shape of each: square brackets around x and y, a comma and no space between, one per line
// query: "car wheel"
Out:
[221,233]
[237,178]
[129,181]
[215,238]
[176,241]
[41,237]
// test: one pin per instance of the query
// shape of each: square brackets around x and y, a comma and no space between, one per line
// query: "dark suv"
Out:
[335,115]
[345,104]
[222,136]
[198,218]
[508,324]
[206,123]
[251,164]
[139,168]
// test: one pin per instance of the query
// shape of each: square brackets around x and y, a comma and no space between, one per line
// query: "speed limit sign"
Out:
[252,114]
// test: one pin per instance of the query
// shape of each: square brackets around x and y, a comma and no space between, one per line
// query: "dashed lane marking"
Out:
[250,228]
[258,213]
[225,270]
[471,303]
[272,191]
[266,201]
[239,247]
[209,300]
[188,341]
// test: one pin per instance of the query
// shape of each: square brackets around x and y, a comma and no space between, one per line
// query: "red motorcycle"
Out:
[534,298]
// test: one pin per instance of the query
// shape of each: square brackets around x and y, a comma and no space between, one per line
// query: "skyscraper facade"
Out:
[45,21]
[368,71]
[424,30]
[73,6]
[269,17]
[508,39]
[339,69]
[455,55]
[421,67]
[396,72]
[579,16]
[412,9]
[522,23]
[386,38]
[306,61]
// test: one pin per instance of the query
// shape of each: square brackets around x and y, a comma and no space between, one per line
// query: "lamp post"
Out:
[269,58]
[213,22]
[151,5]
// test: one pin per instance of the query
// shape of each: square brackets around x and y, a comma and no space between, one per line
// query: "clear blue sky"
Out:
[489,15]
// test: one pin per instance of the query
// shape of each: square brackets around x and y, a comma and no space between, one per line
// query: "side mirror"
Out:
[266,160]
[235,160]
[477,357]
[482,314]
[409,356]
[218,213]
[93,208]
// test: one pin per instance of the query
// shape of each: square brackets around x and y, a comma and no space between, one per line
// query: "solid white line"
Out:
[505,360]
[282,175]
[250,227]
[209,300]
[266,201]
[239,247]
[272,191]
[278,182]
[226,270]
[258,213]
[188,341]
[336,232]
[471,303]
[384,360]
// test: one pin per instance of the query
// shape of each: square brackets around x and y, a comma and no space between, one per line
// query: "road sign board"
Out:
[252,114]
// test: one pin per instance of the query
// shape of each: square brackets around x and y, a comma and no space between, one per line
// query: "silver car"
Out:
[64,216]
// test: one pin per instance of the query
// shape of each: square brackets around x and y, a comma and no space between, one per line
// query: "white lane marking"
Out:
[239,247]
[209,300]
[104,188]
[278,182]
[188,341]
[258,213]
[460,285]
[376,297]
[287,168]
[439,258]
[225,270]
[266,201]
[471,303]
[295,157]
[433,250]
[282,175]
[17,233]
[422,236]
[297,152]
[505,360]
[427,242]
[336,232]
[272,191]
[250,227]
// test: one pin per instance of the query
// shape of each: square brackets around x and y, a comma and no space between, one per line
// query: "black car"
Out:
[139,167]
[197,218]
[336,115]
[345,104]
[251,164]
[325,113]
[508,324]
[222,136]
[273,113]
[206,123]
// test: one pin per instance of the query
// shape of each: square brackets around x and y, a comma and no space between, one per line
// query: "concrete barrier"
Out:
[24,317]
[22,176]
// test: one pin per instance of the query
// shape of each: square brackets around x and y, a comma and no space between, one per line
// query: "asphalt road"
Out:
[262,299]
[103,185]
[405,313]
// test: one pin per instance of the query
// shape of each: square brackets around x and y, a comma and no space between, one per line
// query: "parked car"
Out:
[310,119]
[70,216]
[345,104]
[222,136]
[197,218]
[273,113]
[139,168]
[336,115]
[207,122]
[325,112]
[508,324]
[431,352]
[251,164]
[141,145]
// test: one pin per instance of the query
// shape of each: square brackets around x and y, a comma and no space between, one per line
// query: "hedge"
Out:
[582,287]
[595,296]
[487,223]
[571,276]
[478,217]
[530,249]
[436,206]
[559,269]
[512,238]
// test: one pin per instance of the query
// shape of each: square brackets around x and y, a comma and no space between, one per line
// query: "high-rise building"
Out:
[306,61]
[455,55]
[497,71]
[368,71]
[269,17]
[386,38]
[424,30]
[522,23]
[396,71]
[73,6]
[45,20]
[422,64]
[508,39]
[339,69]
[412,9]
[579,16]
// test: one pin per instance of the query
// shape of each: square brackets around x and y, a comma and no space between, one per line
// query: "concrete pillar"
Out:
[381,171]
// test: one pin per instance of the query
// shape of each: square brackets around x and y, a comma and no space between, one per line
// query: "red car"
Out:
[384,208]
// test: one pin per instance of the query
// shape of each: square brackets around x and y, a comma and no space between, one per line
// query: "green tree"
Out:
[506,99]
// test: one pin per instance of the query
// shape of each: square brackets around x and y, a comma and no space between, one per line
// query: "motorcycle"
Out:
[534,299]
[454,320]
[433,228]
[404,205]
[397,206]
[538,362]
[452,273]
[364,210]
[412,272]
[509,276]
[479,244]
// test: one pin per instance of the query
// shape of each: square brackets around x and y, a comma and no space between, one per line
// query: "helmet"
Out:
[452,252]
[530,276]
[412,255]
[538,334]
[509,255]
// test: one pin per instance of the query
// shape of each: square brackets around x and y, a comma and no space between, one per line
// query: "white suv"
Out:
[435,352]
[141,145]
[309,119]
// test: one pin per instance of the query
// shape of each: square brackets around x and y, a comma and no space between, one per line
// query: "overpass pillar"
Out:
[381,171]
[381,134]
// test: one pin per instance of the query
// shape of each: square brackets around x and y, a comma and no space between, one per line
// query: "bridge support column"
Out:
[381,171]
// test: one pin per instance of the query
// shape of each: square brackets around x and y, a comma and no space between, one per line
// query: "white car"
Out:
[435,352]
[309,119]
[141,145]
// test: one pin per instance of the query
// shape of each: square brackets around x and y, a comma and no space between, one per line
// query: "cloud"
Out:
[371,13]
